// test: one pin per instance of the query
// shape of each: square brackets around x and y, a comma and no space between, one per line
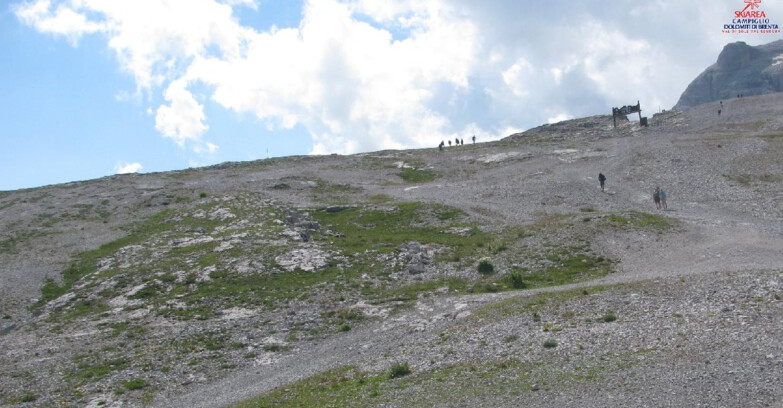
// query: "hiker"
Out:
[474,139]
[449,142]
[456,141]
[440,146]
[601,179]
[657,197]
[663,199]
[462,142]
[718,112]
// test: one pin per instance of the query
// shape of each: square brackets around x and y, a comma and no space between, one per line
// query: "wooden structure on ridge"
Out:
[627,110]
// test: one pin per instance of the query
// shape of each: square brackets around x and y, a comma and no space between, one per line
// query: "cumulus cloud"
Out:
[125,168]
[362,75]
[183,118]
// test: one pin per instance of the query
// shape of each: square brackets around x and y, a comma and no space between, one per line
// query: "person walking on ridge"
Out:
[657,197]
[663,200]
[602,180]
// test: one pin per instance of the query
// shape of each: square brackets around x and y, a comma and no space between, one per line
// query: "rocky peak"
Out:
[741,69]
[738,55]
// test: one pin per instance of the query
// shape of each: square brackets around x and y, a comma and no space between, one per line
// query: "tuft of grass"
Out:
[550,343]
[485,266]
[516,280]
[274,347]
[134,384]
[409,175]
[380,198]
[609,317]
[399,370]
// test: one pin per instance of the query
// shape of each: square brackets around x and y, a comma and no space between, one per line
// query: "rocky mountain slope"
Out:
[495,274]
[741,69]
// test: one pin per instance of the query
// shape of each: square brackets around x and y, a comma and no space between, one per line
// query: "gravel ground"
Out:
[697,307]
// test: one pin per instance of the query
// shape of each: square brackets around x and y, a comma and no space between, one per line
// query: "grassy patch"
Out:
[342,387]
[413,176]
[570,267]
[399,370]
[635,220]
[380,198]
[90,368]
[524,306]
[8,245]
[133,384]
[85,263]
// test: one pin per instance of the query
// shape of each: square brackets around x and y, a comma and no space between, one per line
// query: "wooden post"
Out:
[640,110]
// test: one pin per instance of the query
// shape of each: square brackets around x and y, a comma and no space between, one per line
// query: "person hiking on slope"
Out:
[657,197]
[663,199]
[602,180]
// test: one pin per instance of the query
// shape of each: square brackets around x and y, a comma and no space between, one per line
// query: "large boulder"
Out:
[741,69]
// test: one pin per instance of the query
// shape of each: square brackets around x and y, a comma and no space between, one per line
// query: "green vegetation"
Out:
[485,266]
[569,267]
[524,305]
[380,198]
[452,385]
[9,244]
[89,368]
[335,193]
[413,176]
[609,317]
[550,343]
[635,220]
[134,384]
[516,280]
[399,370]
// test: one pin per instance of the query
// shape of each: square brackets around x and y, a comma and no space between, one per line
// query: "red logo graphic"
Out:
[752,13]
[751,20]
[753,4]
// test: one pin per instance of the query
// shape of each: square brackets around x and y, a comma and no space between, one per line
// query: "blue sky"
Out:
[90,88]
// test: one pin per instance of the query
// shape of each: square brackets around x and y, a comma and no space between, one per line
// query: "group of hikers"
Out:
[457,142]
[659,195]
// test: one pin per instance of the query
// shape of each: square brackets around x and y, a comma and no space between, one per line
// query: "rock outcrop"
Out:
[741,69]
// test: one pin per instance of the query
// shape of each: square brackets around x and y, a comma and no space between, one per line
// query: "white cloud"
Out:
[60,21]
[362,75]
[183,119]
[206,148]
[125,168]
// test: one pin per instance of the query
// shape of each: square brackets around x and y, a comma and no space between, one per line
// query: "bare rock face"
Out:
[741,69]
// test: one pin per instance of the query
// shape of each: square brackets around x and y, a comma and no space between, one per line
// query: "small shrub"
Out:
[610,317]
[550,343]
[516,280]
[485,266]
[202,194]
[399,370]
[134,384]
[345,327]
[536,317]
[28,398]
[272,347]
[511,339]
